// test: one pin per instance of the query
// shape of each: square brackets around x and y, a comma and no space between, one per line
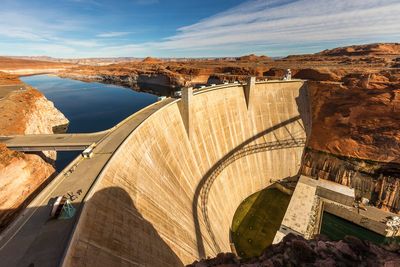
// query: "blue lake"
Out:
[90,107]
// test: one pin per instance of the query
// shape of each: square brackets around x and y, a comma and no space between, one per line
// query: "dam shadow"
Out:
[304,108]
[121,221]
[52,242]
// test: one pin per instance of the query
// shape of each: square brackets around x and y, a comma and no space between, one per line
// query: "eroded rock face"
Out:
[296,251]
[44,117]
[376,181]
[24,112]
[20,175]
[356,122]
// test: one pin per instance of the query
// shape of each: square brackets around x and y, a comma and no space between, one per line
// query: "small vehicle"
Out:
[57,206]
[62,208]
[88,152]
[178,94]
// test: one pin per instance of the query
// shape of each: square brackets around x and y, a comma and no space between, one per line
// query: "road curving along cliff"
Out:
[168,195]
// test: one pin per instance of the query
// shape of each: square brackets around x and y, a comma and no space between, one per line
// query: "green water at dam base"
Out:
[336,228]
[257,220]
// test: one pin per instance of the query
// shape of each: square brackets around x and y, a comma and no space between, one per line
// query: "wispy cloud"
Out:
[279,27]
[112,34]
[304,22]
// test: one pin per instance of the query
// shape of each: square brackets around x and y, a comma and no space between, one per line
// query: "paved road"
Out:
[58,142]
[6,89]
[35,240]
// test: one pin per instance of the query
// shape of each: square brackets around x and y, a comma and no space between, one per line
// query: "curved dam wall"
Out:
[169,193]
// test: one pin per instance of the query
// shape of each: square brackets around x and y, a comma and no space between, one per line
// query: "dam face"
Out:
[168,197]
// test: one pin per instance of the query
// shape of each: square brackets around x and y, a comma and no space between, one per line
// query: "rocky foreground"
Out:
[296,251]
[25,111]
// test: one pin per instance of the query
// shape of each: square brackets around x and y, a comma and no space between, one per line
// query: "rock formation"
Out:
[364,50]
[169,73]
[253,57]
[373,180]
[296,251]
[20,176]
[151,60]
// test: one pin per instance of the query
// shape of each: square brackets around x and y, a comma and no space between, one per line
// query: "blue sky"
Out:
[192,28]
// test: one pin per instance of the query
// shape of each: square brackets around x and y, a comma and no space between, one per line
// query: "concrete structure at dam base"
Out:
[313,197]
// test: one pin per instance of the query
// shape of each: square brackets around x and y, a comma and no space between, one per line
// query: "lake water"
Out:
[90,107]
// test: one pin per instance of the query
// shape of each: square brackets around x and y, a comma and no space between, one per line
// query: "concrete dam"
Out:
[168,194]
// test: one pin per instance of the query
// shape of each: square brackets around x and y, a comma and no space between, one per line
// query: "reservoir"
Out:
[90,107]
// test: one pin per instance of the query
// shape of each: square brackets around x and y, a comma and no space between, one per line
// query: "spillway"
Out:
[168,195]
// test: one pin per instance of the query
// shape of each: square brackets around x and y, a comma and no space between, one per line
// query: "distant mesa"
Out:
[364,50]
[151,60]
[253,57]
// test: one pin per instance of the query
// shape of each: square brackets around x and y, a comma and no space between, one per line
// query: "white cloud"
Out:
[279,26]
[112,34]
[303,22]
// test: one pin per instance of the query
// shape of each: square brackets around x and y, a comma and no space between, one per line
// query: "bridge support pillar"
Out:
[187,94]
[249,90]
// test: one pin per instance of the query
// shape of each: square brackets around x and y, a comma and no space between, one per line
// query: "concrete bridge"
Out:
[162,187]
[57,142]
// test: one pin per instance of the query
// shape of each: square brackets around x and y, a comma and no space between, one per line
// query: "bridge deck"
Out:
[58,142]
[35,239]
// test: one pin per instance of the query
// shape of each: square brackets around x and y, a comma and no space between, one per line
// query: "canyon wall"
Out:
[21,175]
[129,78]
[379,182]
[167,199]
[355,139]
